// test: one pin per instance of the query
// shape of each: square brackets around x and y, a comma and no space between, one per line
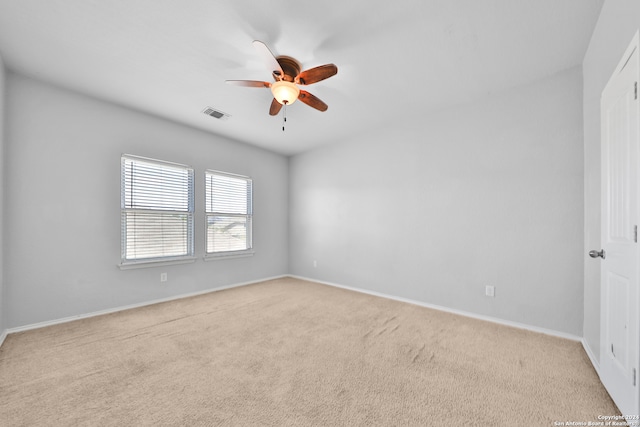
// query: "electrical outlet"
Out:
[490,291]
[163,277]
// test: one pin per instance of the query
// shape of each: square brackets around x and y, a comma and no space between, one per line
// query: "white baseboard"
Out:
[3,336]
[452,310]
[378,294]
[592,357]
[128,307]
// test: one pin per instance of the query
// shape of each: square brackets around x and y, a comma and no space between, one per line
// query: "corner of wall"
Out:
[289,214]
[3,320]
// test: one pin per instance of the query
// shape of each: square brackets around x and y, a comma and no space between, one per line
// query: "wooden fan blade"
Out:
[275,107]
[316,74]
[248,83]
[312,101]
[269,59]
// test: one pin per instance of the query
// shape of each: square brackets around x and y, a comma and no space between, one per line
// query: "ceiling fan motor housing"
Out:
[290,66]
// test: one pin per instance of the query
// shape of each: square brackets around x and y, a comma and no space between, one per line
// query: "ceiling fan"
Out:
[287,75]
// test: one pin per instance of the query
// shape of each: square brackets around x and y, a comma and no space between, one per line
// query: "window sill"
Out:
[227,255]
[156,263]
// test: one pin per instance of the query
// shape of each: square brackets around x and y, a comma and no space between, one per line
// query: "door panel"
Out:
[619,146]
[618,297]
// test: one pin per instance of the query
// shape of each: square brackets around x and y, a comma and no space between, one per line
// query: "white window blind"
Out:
[228,203]
[157,210]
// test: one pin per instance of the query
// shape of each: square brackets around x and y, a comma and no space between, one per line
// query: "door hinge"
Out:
[635,233]
[634,376]
[635,90]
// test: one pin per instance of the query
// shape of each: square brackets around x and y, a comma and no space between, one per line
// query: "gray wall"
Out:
[618,22]
[62,204]
[3,309]
[438,206]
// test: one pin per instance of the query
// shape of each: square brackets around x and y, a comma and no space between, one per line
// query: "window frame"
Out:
[128,263]
[208,256]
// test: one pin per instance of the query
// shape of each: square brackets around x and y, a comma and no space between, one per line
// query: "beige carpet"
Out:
[289,352]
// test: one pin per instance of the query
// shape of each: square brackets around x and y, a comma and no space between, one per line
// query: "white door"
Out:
[620,273]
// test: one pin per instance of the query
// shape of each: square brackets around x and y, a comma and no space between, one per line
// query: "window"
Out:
[157,210]
[228,203]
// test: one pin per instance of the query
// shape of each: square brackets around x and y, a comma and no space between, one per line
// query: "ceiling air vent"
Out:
[210,111]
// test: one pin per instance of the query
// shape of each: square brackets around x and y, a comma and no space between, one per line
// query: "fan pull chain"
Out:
[284,115]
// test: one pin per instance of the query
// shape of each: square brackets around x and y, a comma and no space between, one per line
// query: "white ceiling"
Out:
[171,58]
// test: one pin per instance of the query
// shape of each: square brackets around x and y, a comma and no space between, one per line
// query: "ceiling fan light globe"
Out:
[285,92]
